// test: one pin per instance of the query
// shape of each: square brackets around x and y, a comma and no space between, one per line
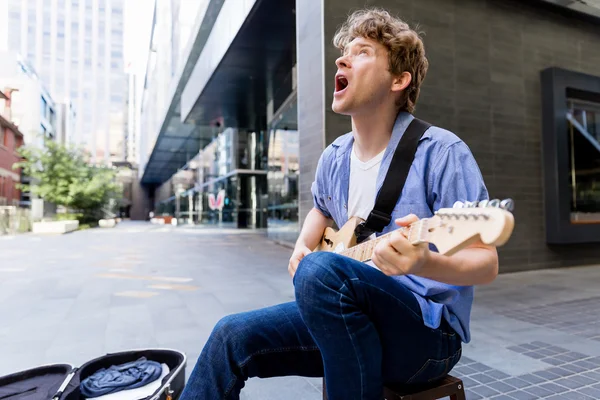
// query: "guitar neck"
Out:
[449,230]
[364,251]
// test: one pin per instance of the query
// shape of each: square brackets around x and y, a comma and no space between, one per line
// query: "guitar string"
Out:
[351,252]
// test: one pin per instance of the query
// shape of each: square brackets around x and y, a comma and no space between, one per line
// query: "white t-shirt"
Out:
[363,185]
[363,188]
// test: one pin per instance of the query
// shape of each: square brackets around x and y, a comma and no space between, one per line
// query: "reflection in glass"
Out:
[282,176]
[584,161]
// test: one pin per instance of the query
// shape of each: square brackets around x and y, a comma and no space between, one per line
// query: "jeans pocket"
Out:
[434,370]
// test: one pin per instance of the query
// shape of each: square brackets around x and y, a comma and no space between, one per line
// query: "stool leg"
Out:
[460,394]
[324,390]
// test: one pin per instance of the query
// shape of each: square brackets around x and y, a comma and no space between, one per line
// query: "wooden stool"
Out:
[449,386]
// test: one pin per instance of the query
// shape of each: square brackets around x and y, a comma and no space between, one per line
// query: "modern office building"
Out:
[32,108]
[236,137]
[76,46]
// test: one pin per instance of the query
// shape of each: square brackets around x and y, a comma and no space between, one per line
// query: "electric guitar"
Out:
[450,230]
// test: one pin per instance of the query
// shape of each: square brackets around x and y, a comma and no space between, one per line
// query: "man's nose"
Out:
[342,62]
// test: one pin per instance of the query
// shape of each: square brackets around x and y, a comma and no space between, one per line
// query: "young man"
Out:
[359,326]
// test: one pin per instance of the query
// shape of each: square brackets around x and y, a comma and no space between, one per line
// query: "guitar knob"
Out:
[458,204]
[483,203]
[494,203]
[507,204]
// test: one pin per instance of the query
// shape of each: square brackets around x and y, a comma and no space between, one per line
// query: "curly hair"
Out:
[405,47]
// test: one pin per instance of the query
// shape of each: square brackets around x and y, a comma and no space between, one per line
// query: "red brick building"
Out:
[10,140]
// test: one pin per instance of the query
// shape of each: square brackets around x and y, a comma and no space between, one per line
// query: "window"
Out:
[584,160]
[46,20]
[60,24]
[44,107]
[14,42]
[3,135]
[46,47]
[571,156]
[52,117]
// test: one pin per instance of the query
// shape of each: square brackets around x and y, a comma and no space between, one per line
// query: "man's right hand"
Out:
[299,253]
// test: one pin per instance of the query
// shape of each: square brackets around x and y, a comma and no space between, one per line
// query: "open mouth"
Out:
[341,83]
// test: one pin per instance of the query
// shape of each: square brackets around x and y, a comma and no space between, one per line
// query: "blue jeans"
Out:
[350,323]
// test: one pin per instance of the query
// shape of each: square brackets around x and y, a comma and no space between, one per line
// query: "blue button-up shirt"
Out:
[444,171]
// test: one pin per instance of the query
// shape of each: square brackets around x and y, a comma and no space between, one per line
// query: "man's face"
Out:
[363,81]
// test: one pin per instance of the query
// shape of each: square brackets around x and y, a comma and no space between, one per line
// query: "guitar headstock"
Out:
[452,229]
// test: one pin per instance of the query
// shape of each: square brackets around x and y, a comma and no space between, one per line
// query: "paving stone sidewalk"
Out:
[75,297]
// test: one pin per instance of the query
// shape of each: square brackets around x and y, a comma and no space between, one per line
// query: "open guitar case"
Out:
[61,381]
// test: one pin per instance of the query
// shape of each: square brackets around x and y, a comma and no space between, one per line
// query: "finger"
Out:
[383,253]
[406,220]
[399,242]
[392,261]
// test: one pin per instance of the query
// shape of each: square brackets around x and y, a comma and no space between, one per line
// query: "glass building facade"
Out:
[76,47]
[283,173]
[225,184]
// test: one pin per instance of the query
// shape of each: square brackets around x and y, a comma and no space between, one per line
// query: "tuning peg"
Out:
[494,203]
[483,203]
[458,204]
[507,204]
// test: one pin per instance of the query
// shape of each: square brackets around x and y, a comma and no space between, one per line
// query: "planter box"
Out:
[107,223]
[55,227]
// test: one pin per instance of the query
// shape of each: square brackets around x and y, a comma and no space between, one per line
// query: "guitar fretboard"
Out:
[364,251]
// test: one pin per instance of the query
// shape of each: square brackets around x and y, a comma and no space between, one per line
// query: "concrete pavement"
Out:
[75,297]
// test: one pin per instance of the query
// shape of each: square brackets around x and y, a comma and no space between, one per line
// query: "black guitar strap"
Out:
[390,192]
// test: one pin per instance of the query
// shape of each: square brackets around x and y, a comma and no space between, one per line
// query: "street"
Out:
[71,298]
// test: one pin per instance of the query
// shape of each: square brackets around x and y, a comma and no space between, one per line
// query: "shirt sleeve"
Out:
[455,177]
[318,189]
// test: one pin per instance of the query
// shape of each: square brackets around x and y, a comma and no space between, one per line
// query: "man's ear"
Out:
[401,81]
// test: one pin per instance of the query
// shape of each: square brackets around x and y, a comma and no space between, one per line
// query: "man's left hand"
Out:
[397,256]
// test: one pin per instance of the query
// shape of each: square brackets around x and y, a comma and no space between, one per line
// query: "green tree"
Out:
[62,175]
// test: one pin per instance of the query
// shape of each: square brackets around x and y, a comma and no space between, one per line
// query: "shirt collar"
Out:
[344,143]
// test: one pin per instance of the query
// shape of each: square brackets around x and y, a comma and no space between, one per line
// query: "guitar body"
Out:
[338,241]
